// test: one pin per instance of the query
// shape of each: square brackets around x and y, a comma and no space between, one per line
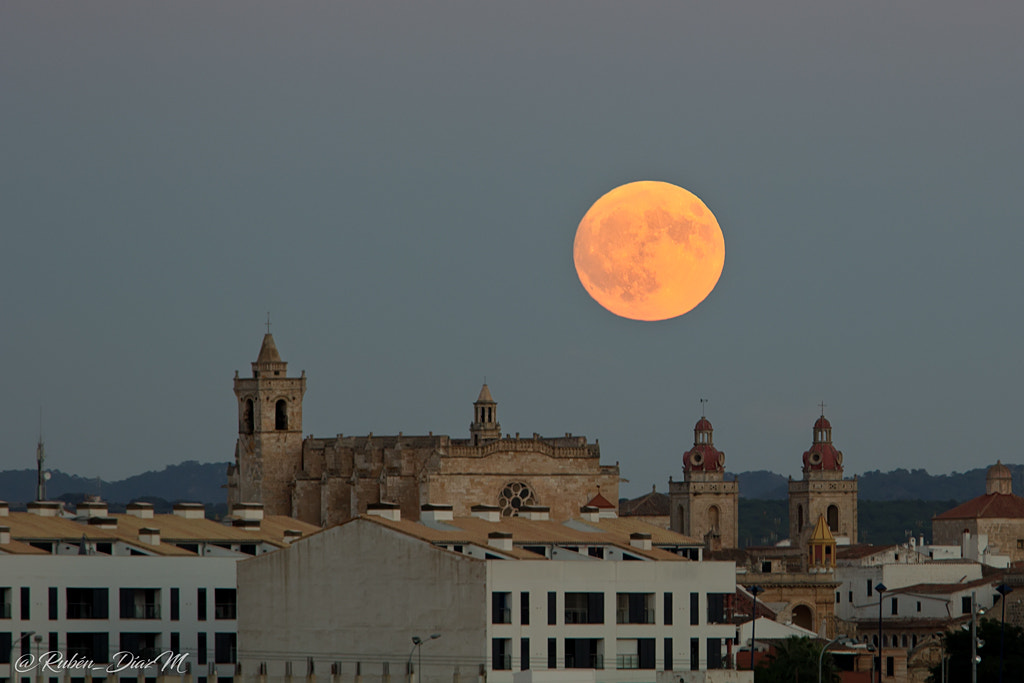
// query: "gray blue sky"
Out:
[399,185]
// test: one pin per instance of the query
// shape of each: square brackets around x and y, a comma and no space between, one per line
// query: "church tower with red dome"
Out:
[704,505]
[823,491]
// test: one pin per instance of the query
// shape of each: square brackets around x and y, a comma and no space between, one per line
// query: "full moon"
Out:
[649,251]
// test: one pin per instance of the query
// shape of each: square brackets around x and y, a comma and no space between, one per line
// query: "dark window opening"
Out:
[140,603]
[552,653]
[584,608]
[832,518]
[94,646]
[694,654]
[201,604]
[87,603]
[715,660]
[668,612]
[225,648]
[634,608]
[224,606]
[552,609]
[668,654]
[281,415]
[26,603]
[524,608]
[201,648]
[501,608]
[52,599]
[694,609]
[247,421]
[583,653]
[524,654]
[142,645]
[175,605]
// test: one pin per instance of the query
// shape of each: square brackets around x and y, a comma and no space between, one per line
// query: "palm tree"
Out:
[795,660]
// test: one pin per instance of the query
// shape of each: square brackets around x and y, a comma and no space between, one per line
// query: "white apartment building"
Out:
[93,585]
[503,595]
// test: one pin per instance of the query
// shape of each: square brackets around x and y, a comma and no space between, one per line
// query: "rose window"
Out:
[514,496]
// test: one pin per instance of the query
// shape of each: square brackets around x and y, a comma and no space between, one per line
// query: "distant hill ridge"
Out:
[204,483]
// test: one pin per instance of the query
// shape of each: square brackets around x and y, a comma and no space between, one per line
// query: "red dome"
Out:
[704,458]
[822,423]
[703,425]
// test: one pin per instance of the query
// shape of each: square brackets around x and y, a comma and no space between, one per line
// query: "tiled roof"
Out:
[945,588]
[860,551]
[600,501]
[988,506]
[648,505]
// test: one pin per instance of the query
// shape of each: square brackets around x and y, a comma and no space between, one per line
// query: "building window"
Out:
[552,608]
[890,666]
[837,597]
[584,608]
[849,597]
[694,609]
[668,612]
[1020,544]
[832,518]
[584,653]
[201,604]
[965,604]
[225,648]
[668,654]
[26,603]
[54,644]
[634,653]
[175,607]
[175,642]
[88,603]
[918,605]
[6,643]
[596,551]
[501,608]
[247,423]
[201,648]
[634,608]
[140,603]
[51,597]
[694,654]
[501,654]
[524,608]
[524,654]
[716,608]
[715,653]
[895,606]
[5,603]
[94,646]
[281,415]
[552,653]
[224,603]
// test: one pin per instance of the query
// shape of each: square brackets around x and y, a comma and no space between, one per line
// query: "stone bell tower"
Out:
[268,453]
[485,426]
[704,505]
[823,491]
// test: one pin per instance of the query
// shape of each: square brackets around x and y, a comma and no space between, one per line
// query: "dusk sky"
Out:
[399,185]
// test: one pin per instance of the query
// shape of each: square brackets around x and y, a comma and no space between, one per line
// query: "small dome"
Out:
[999,479]
[822,423]
[703,425]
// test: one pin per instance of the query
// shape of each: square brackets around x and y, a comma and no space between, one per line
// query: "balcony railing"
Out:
[622,616]
[225,612]
[81,610]
[142,612]
[575,615]
[587,662]
[627,661]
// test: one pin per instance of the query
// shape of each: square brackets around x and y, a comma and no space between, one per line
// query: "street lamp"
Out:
[754,590]
[881,589]
[417,644]
[10,652]
[975,643]
[1003,590]
[821,656]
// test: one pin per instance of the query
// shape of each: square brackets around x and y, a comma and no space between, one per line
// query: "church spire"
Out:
[485,425]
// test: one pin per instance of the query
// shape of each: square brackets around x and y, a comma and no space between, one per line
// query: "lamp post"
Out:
[881,589]
[821,656]
[754,590]
[417,644]
[10,653]
[974,636]
[1003,591]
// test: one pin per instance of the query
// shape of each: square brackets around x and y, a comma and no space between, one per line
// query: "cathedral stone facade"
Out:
[823,492]
[329,480]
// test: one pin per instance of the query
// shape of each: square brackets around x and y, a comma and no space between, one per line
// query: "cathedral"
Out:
[329,480]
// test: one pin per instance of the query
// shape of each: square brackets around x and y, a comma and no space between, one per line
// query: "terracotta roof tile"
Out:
[988,506]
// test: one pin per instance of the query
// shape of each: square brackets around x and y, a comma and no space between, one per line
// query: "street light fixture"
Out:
[754,590]
[417,644]
[1003,591]
[881,589]
[821,656]
[10,652]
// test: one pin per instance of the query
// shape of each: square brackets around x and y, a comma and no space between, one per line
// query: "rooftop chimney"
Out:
[103,522]
[590,513]
[489,513]
[5,509]
[431,513]
[44,508]
[535,512]
[248,512]
[502,540]
[150,536]
[640,540]
[5,535]
[91,508]
[190,510]
[292,535]
[140,510]
[390,511]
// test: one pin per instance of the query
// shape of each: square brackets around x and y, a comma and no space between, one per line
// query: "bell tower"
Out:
[268,453]
[485,426]
[823,492]
[705,505]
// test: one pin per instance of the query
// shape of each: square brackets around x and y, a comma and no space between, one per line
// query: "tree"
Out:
[958,648]
[795,660]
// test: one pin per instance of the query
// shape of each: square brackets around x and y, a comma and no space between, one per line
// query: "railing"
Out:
[627,661]
[142,612]
[586,662]
[501,662]
[622,617]
[576,615]
[225,612]
[80,610]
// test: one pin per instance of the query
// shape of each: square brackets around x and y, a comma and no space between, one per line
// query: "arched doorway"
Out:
[803,617]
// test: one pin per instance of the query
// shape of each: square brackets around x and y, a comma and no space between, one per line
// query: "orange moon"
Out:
[649,251]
